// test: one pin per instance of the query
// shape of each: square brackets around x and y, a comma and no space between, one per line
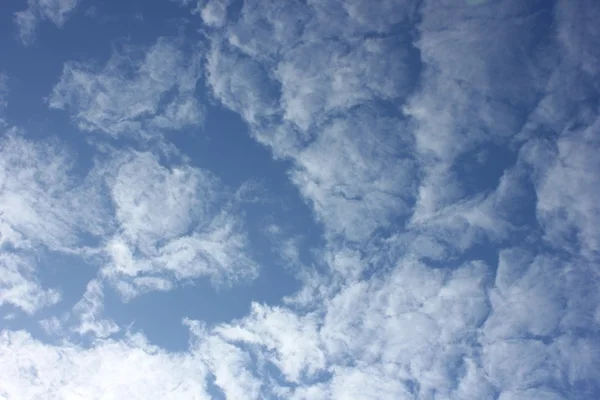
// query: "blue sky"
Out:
[332,199]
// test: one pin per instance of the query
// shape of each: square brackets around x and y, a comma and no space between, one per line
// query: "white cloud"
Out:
[367,383]
[472,90]
[561,136]
[57,11]
[214,13]
[294,339]
[41,198]
[174,225]
[305,99]
[19,285]
[52,326]
[489,78]
[229,364]
[26,22]
[89,311]
[245,88]
[322,78]
[525,300]
[44,206]
[566,179]
[137,92]
[412,327]
[155,203]
[171,224]
[356,175]
[131,369]
[518,365]
[474,220]
[354,18]
[541,306]
[403,312]
[415,332]
[265,29]
[531,394]
[578,34]
[364,181]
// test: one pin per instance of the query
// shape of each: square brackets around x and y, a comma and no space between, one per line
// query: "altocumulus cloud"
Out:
[443,156]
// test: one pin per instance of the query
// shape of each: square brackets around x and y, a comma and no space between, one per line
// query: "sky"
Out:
[300,199]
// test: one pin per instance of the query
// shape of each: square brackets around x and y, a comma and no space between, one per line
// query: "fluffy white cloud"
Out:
[138,91]
[472,89]
[155,203]
[561,136]
[410,312]
[322,78]
[540,307]
[356,174]
[316,99]
[293,339]
[130,368]
[412,332]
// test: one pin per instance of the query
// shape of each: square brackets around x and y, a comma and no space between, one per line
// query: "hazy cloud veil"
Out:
[320,199]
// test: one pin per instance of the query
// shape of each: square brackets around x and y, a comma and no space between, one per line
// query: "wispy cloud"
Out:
[3,98]
[89,311]
[443,273]
[229,364]
[293,339]
[138,92]
[41,209]
[161,225]
[19,285]
[56,11]
[41,196]
[174,224]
